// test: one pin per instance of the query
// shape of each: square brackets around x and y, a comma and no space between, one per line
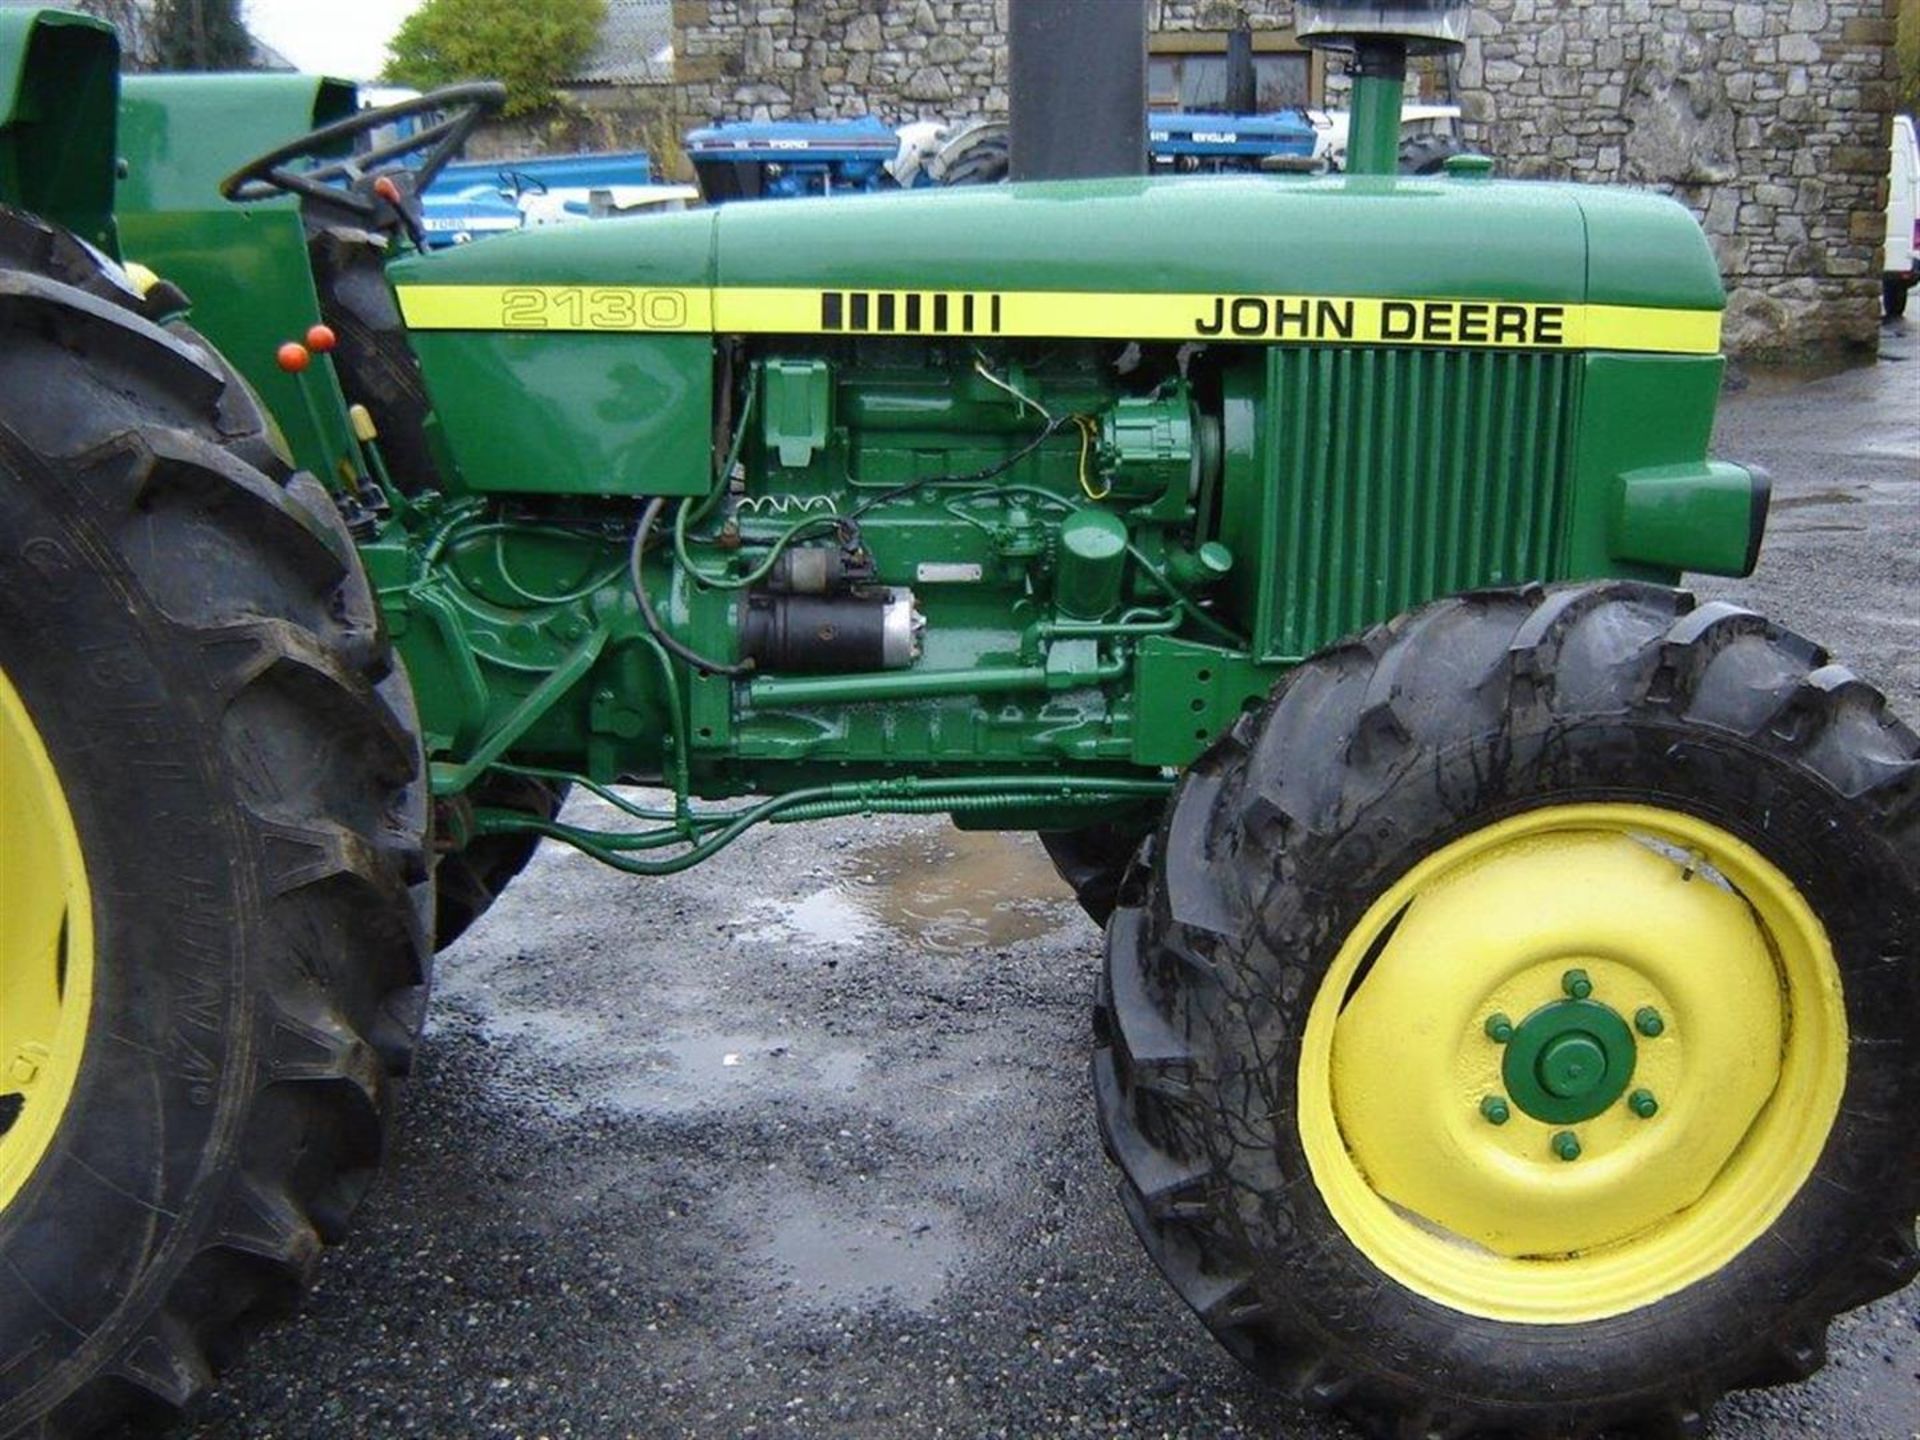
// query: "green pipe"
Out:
[1379,87]
[776,691]
[905,796]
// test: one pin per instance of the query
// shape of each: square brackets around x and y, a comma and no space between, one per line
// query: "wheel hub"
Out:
[1569,1061]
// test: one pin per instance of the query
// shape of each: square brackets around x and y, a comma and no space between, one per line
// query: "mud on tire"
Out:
[1381,751]
[191,633]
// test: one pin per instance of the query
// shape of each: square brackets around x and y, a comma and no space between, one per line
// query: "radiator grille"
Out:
[1401,475]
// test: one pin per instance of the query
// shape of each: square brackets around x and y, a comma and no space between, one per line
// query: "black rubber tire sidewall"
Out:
[1848,878]
[199,650]
[123,712]
[1370,758]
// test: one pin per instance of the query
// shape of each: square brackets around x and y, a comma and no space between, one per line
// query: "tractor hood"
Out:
[568,329]
[1182,241]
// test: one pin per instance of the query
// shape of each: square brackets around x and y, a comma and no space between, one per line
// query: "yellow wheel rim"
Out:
[1460,1025]
[46,948]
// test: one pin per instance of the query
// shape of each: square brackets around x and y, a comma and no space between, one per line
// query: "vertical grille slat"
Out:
[1404,474]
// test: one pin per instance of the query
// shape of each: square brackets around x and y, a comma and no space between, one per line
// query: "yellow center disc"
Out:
[46,948]
[1447,1176]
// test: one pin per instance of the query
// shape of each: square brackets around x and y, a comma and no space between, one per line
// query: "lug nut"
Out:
[1576,984]
[1648,1022]
[1567,1145]
[23,1070]
[1495,1110]
[1499,1028]
[1642,1103]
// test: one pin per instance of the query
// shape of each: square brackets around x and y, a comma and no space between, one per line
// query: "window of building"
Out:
[1198,81]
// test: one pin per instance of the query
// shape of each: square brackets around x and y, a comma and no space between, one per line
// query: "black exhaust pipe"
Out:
[1079,88]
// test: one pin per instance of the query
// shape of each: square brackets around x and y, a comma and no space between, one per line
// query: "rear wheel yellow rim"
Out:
[46,948]
[1573,1063]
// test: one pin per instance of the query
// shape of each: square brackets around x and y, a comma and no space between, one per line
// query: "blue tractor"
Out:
[778,160]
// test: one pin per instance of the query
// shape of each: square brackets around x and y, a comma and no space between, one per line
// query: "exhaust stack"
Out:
[1079,88]
[1381,37]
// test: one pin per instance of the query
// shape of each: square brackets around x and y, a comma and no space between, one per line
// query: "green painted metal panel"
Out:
[1384,478]
[1641,412]
[1352,235]
[1707,517]
[1644,249]
[183,134]
[576,414]
[654,250]
[59,83]
[244,266]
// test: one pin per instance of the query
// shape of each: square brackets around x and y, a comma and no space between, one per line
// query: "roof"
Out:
[636,46]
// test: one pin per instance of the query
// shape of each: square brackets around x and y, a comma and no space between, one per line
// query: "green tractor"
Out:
[1510,1019]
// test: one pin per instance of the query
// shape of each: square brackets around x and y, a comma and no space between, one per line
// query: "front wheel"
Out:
[1516,1030]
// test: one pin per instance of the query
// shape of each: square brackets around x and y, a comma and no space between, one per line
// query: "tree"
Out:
[530,46]
[201,35]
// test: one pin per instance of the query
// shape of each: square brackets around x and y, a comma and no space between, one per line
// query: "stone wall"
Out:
[1769,119]
[835,59]
[901,59]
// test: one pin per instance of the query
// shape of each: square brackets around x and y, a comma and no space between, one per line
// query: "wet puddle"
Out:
[1757,380]
[833,1258]
[687,1073]
[951,892]
[1819,497]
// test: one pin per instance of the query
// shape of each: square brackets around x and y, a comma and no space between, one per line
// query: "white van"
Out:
[1903,218]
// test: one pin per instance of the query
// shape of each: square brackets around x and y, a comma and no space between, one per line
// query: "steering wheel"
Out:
[363,193]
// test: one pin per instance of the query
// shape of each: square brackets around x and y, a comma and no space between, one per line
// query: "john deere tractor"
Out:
[1510,1019]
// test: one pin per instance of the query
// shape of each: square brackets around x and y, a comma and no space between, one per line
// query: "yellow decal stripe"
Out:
[1091,315]
[557,307]
[1678,332]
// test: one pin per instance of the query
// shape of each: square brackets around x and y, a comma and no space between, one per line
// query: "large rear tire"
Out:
[210,749]
[375,360]
[1517,1029]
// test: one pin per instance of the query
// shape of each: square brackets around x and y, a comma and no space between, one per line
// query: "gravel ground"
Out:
[799,1144]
